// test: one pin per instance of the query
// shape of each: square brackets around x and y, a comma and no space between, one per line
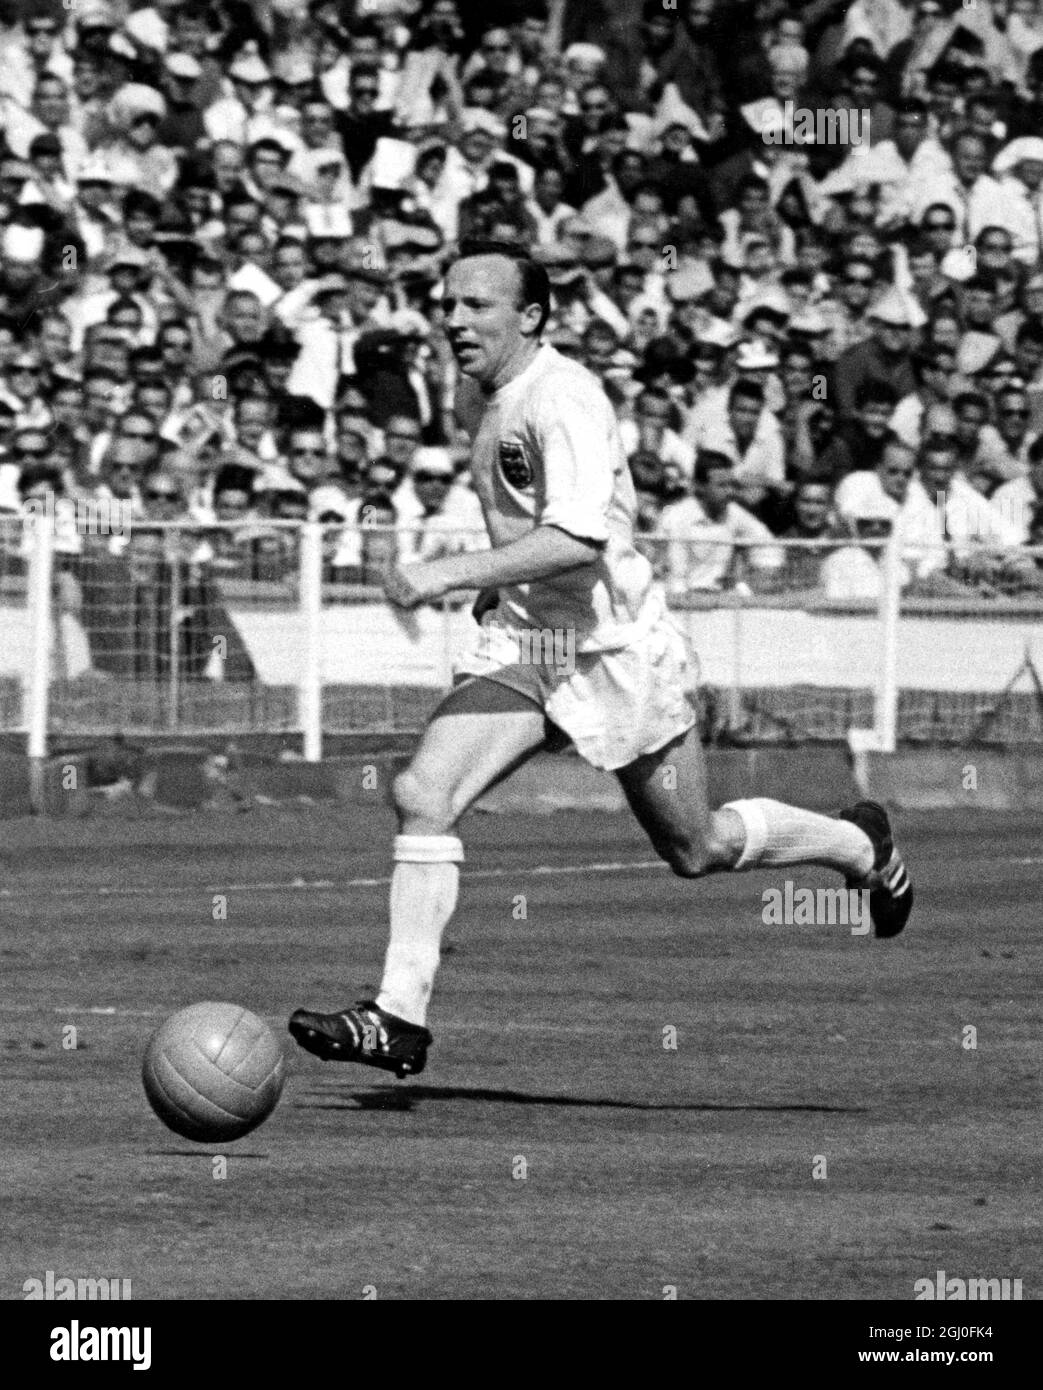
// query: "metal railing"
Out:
[282,627]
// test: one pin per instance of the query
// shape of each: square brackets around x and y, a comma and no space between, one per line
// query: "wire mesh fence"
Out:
[281,627]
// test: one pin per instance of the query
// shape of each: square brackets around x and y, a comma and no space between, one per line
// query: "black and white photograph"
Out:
[521,670]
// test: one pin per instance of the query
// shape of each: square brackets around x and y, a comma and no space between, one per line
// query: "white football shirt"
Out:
[546,451]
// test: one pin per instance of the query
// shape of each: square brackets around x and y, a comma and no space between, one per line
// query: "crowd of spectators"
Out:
[801,245]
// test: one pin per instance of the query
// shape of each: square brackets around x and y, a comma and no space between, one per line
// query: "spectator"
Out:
[859,442]
[949,520]
[880,493]
[1021,499]
[813,520]
[435,515]
[885,354]
[751,437]
[1005,445]
[935,370]
[242,240]
[650,430]
[708,530]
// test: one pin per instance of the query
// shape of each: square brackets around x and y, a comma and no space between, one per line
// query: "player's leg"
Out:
[667,792]
[480,733]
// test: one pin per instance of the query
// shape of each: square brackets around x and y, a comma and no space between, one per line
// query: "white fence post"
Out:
[890,608]
[882,737]
[735,708]
[38,674]
[309,690]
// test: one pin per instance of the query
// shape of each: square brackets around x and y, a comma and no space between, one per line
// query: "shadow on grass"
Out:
[206,1150]
[408,1098]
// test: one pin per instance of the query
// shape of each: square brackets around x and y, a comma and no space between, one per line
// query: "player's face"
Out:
[488,332]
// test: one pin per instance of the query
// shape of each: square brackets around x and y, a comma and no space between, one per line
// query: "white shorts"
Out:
[614,706]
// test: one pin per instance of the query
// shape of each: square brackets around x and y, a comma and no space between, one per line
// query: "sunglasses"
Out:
[32,453]
[313,453]
[1015,414]
[25,371]
[432,478]
[163,496]
[643,245]
[400,434]
[137,434]
[940,226]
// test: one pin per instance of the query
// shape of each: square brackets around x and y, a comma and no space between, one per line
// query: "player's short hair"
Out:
[535,284]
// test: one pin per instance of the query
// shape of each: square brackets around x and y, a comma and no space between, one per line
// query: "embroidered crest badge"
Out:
[514,465]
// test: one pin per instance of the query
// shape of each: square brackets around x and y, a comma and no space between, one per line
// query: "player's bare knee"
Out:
[687,858]
[421,805]
[695,855]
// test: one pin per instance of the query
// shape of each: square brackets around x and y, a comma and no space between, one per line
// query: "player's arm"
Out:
[544,552]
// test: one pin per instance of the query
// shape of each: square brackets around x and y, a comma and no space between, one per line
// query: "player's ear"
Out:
[530,318]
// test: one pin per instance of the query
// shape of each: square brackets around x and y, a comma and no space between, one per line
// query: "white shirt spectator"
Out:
[996,458]
[548,223]
[762,462]
[10,499]
[964,519]
[907,420]
[1021,213]
[672,448]
[700,552]
[974,210]
[1016,502]
[457,526]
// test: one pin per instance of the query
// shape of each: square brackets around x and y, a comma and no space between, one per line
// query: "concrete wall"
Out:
[773,646]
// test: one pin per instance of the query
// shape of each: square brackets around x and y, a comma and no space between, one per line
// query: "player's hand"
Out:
[410,586]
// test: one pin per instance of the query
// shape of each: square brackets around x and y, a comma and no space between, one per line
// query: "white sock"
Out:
[780,834]
[423,895]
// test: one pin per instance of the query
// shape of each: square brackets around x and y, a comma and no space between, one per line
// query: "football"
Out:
[213,1072]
